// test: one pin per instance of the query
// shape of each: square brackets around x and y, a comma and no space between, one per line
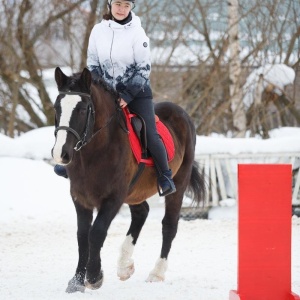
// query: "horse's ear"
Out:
[60,78]
[86,79]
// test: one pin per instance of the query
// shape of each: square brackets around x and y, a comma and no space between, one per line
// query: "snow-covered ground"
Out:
[38,247]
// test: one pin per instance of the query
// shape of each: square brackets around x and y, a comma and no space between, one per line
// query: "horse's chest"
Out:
[85,192]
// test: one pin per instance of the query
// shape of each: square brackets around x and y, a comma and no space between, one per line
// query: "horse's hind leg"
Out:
[169,230]
[139,215]
[84,220]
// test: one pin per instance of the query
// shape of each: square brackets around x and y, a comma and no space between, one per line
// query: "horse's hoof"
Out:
[158,273]
[125,273]
[154,278]
[96,283]
[76,284]
[94,286]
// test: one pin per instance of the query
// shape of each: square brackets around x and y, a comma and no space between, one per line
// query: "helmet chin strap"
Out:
[109,5]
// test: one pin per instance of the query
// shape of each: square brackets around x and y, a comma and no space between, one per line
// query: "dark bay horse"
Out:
[92,143]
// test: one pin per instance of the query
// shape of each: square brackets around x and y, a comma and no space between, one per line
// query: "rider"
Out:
[119,52]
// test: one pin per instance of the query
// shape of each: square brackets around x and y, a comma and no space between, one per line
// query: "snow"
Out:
[38,253]
[278,75]
[37,144]
[281,144]
[34,144]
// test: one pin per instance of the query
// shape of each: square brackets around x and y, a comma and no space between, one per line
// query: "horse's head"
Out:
[74,114]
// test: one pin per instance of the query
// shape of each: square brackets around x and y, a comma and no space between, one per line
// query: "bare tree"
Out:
[194,57]
[92,17]
[236,95]
[207,81]
[25,25]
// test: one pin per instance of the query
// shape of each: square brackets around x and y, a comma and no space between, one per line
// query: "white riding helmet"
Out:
[110,2]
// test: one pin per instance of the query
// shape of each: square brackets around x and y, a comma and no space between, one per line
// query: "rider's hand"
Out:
[122,103]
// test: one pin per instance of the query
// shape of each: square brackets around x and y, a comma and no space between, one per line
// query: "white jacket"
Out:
[120,54]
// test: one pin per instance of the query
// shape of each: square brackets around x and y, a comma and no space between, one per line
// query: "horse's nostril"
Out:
[65,157]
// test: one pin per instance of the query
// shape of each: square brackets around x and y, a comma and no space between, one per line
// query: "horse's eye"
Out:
[82,111]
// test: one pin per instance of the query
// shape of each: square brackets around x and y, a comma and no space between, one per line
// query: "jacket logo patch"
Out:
[145,45]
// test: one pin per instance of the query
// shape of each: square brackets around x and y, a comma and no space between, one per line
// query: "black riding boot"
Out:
[60,171]
[166,184]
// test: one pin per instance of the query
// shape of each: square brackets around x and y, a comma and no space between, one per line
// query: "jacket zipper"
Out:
[112,64]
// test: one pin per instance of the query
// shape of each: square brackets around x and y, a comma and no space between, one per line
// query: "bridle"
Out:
[82,140]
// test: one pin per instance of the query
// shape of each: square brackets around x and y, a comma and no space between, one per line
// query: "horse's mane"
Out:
[100,82]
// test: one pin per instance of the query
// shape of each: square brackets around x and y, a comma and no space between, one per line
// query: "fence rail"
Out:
[221,172]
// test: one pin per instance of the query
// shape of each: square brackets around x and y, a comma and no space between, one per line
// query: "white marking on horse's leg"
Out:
[125,262]
[158,273]
[68,103]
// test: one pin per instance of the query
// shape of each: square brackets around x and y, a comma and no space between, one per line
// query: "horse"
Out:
[91,141]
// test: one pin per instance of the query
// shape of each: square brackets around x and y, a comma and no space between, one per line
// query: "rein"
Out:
[82,141]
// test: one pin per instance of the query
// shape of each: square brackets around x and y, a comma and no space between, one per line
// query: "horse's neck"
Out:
[108,124]
[105,108]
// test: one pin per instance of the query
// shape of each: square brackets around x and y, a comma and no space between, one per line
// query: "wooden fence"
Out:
[221,172]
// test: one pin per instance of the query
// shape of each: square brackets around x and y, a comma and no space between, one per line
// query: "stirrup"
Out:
[170,190]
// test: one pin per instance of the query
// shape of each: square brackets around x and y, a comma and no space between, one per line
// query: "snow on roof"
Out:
[279,75]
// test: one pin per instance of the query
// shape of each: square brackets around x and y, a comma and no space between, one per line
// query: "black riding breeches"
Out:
[143,105]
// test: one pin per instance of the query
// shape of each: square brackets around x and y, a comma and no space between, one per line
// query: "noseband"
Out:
[82,141]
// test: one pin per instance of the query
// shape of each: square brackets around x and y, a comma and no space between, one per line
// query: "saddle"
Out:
[137,137]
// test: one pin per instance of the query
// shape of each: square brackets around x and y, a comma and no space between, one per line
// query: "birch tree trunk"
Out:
[236,96]
[12,116]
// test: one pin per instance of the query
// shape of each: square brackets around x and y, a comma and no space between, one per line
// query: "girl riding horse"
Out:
[119,52]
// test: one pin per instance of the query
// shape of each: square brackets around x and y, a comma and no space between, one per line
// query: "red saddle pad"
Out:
[135,143]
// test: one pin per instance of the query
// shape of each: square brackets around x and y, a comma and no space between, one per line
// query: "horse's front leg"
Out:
[139,215]
[84,220]
[98,233]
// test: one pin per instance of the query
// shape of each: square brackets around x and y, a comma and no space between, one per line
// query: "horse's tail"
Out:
[197,185]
